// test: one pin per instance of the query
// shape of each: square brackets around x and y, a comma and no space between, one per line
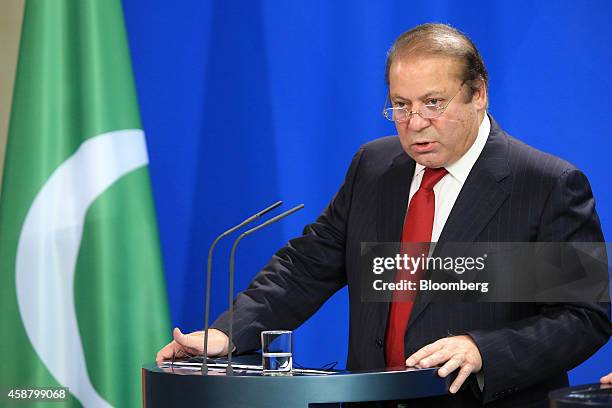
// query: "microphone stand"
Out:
[229,369]
[209,273]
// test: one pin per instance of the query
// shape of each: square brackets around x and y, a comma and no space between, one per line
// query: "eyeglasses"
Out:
[429,110]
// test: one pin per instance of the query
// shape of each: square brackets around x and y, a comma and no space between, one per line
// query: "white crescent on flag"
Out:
[48,249]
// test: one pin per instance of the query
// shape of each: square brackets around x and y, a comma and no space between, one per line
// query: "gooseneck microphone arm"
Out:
[229,370]
[209,273]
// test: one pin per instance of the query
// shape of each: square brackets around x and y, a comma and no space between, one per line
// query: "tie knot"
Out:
[431,177]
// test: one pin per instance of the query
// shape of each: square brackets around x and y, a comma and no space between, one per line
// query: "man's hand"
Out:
[454,352]
[606,379]
[193,344]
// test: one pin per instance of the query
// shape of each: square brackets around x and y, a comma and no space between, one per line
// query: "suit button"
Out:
[379,342]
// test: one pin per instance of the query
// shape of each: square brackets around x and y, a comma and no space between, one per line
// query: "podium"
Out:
[587,396]
[163,387]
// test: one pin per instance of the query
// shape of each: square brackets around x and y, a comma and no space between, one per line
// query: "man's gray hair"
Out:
[443,40]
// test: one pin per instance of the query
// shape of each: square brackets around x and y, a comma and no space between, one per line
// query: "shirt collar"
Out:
[462,167]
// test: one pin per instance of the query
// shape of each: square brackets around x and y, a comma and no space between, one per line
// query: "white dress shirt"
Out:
[448,188]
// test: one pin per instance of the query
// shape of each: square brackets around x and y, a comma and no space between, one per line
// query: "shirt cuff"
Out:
[480,379]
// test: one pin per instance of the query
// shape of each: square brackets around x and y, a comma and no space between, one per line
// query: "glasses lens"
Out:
[388,114]
[395,114]
[431,111]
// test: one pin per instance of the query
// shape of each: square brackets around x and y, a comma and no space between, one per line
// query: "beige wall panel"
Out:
[11,14]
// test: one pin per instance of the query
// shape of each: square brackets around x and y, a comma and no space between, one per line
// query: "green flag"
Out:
[82,295]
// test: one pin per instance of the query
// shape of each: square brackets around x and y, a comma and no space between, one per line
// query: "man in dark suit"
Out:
[452,175]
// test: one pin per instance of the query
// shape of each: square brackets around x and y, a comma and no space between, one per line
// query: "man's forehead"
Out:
[426,75]
[427,65]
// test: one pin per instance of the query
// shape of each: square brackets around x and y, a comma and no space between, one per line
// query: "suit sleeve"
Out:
[299,278]
[561,336]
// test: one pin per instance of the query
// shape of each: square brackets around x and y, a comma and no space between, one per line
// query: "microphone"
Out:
[209,273]
[229,370]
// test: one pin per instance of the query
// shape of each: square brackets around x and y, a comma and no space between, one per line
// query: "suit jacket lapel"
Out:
[479,200]
[393,192]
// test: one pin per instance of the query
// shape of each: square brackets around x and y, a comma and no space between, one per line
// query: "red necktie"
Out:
[418,226]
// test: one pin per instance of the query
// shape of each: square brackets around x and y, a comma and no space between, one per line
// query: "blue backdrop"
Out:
[244,103]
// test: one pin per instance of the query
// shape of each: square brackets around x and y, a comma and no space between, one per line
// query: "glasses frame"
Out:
[388,112]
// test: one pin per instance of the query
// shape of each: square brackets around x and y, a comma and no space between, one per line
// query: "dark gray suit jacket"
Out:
[514,193]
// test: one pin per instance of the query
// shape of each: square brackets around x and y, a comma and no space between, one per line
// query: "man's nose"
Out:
[417,123]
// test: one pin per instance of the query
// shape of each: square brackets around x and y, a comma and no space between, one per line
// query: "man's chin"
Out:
[430,160]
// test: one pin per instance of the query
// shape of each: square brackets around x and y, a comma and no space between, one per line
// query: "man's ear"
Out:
[480,98]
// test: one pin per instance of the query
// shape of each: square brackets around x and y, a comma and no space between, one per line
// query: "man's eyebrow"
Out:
[432,93]
[427,95]
[400,98]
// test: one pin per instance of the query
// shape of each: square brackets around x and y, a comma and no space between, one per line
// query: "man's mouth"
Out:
[423,147]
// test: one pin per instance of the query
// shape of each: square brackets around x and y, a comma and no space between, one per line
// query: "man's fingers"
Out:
[450,366]
[172,350]
[182,345]
[422,353]
[452,353]
[464,373]
[435,359]
[166,352]
[606,379]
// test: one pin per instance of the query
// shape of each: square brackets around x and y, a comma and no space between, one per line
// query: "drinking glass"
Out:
[276,352]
